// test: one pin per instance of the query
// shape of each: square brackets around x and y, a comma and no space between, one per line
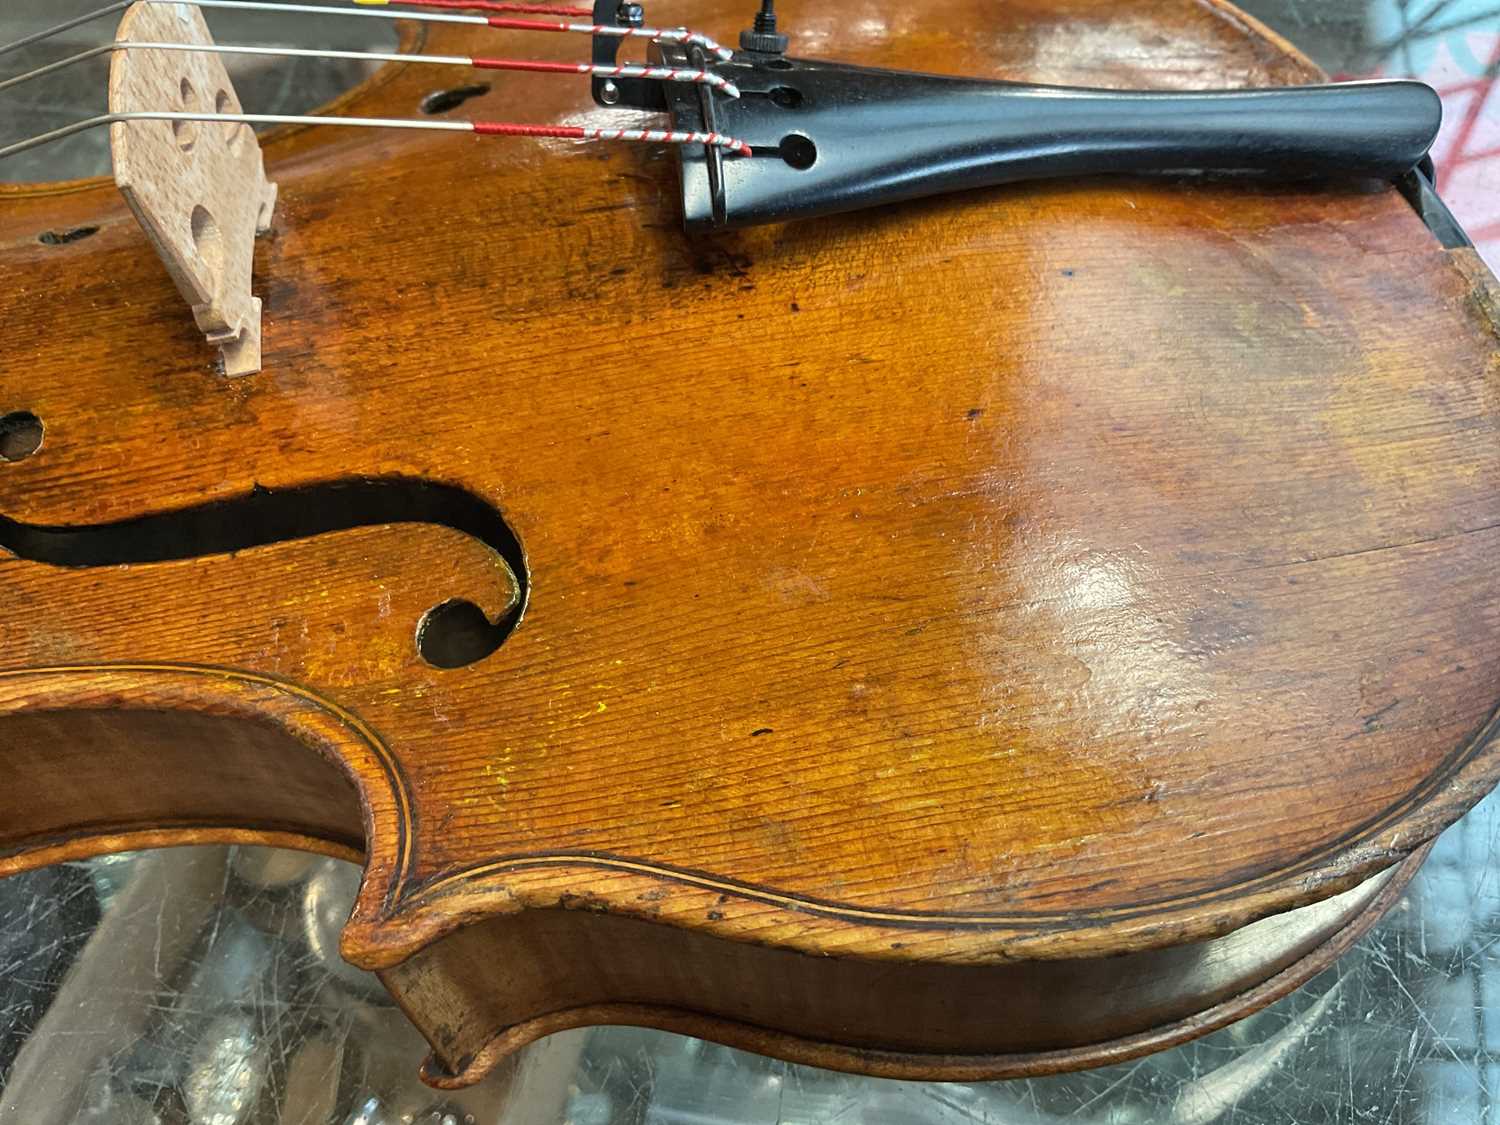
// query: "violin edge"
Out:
[1170,980]
[398,916]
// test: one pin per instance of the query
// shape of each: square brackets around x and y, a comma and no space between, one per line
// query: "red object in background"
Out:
[1467,153]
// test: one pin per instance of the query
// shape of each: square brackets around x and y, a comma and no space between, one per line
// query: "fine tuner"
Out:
[762,135]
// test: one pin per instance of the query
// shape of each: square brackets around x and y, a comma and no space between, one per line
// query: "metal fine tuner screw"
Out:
[763,38]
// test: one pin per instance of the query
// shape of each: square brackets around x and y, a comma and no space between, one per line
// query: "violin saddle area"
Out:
[982,636]
[198,188]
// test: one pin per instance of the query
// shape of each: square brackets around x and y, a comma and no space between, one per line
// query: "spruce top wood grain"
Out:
[946,627]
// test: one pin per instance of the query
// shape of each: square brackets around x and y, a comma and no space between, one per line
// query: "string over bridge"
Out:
[190,167]
[629,70]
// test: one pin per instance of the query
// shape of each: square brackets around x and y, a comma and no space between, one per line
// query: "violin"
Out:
[968,555]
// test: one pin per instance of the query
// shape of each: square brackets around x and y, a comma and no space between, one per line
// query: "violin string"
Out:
[518,9]
[665,35]
[662,35]
[619,70]
[66,25]
[482,128]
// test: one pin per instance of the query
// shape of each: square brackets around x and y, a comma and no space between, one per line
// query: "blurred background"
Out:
[202,986]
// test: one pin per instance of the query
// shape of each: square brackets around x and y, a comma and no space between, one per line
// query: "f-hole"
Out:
[450,635]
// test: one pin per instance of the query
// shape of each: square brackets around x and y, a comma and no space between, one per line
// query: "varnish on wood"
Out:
[981,636]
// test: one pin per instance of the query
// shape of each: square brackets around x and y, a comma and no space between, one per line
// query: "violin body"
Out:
[980,636]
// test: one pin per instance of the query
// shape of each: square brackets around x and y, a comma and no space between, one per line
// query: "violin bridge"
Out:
[198,188]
